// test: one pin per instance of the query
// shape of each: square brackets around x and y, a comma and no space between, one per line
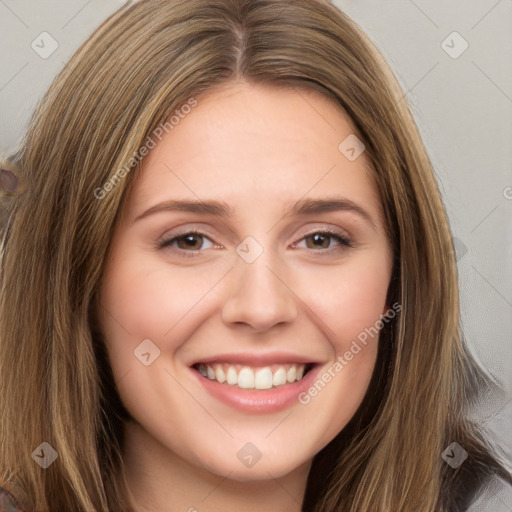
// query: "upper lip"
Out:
[257,358]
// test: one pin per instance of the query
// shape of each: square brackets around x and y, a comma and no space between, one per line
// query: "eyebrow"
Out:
[299,208]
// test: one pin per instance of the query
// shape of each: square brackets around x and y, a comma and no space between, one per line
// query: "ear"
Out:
[11,183]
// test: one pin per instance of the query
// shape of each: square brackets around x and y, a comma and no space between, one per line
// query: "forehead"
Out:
[251,145]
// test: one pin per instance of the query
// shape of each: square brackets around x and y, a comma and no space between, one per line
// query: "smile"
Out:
[256,384]
[253,377]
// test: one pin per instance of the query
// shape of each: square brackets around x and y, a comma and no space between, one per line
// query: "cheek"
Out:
[349,298]
[361,305]
[143,297]
[349,306]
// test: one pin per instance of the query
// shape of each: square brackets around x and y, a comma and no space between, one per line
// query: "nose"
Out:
[259,296]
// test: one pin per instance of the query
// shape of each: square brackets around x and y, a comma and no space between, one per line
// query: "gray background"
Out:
[462,104]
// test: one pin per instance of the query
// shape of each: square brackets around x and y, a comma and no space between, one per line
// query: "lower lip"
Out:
[260,401]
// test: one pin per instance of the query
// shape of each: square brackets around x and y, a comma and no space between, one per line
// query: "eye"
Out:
[190,242]
[320,240]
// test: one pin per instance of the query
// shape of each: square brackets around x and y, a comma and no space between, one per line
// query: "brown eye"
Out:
[319,240]
[190,242]
[322,240]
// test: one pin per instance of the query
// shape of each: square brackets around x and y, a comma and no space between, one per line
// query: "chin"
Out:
[274,465]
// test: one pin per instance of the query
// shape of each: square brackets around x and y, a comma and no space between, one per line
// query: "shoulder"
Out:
[8,502]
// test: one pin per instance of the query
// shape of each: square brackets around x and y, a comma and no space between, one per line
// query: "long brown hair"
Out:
[78,161]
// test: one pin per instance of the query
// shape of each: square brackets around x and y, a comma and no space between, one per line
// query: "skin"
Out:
[258,149]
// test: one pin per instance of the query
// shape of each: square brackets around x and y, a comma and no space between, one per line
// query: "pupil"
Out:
[189,240]
[318,237]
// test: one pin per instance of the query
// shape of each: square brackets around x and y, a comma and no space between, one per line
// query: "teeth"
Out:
[232,376]
[279,377]
[219,374]
[246,377]
[263,378]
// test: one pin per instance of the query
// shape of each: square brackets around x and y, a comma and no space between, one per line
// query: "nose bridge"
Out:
[258,294]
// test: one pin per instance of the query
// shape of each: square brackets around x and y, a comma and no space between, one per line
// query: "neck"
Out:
[161,481]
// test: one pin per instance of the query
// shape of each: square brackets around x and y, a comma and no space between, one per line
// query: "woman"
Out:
[261,371]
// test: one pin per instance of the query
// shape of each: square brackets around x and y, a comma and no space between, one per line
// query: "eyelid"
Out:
[326,229]
[188,229]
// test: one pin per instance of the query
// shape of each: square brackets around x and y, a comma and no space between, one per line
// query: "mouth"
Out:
[256,384]
[268,377]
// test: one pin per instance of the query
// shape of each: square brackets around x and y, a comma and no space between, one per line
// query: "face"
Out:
[232,326]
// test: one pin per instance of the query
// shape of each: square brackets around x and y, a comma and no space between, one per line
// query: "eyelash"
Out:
[344,242]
